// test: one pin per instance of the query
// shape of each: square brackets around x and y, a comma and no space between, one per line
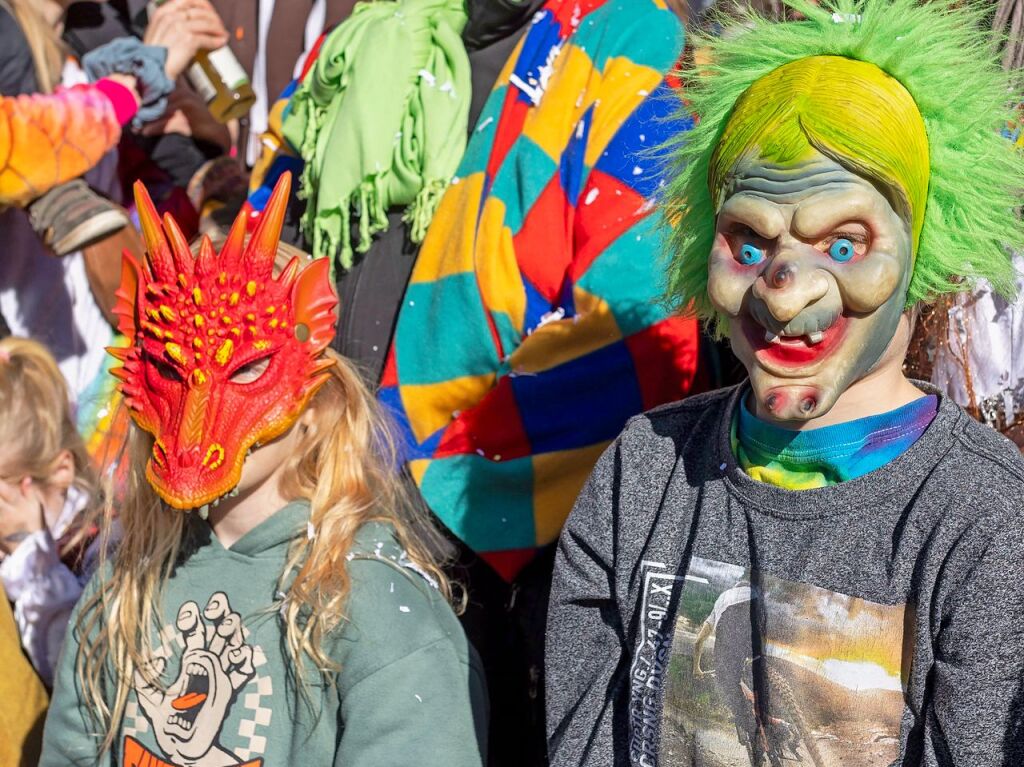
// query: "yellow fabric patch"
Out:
[430,406]
[557,480]
[592,328]
[624,85]
[418,468]
[497,269]
[570,91]
[448,247]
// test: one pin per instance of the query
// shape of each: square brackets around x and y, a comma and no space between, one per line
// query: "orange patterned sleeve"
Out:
[47,139]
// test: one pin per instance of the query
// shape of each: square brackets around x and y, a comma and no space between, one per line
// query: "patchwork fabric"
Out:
[531,329]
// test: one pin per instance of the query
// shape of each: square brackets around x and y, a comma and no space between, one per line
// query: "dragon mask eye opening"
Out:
[166,370]
[251,372]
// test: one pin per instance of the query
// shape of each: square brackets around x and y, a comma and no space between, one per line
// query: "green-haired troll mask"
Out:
[844,168]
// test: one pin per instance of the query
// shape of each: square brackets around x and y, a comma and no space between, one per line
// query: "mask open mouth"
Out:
[190,702]
[793,350]
[807,339]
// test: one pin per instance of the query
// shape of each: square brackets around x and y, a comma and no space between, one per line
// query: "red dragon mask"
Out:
[224,356]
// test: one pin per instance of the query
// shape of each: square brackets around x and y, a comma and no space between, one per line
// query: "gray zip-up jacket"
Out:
[699,617]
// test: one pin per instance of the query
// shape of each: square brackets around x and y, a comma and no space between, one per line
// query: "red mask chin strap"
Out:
[224,356]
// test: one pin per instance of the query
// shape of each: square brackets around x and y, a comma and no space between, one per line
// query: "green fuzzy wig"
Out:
[943,57]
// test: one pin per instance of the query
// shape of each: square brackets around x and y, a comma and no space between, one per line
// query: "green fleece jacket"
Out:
[410,690]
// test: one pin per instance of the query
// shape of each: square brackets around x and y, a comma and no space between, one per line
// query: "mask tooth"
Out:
[771,338]
[816,337]
[204,512]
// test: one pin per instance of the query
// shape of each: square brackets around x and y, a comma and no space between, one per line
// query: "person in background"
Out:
[529,331]
[46,488]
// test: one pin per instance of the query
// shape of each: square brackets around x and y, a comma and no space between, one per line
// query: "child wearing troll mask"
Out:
[822,564]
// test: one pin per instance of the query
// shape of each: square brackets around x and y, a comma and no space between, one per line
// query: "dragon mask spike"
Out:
[158,253]
[183,259]
[262,248]
[232,345]
[206,262]
[231,250]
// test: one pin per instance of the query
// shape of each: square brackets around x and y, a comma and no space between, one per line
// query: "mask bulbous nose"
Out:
[786,288]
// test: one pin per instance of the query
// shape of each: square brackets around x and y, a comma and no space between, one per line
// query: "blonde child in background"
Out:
[46,483]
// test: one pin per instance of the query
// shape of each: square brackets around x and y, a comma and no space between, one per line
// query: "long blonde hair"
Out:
[48,51]
[36,424]
[344,465]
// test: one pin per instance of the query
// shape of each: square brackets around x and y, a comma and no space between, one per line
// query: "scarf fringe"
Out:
[421,212]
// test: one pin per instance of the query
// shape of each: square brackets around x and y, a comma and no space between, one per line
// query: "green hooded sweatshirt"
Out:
[410,689]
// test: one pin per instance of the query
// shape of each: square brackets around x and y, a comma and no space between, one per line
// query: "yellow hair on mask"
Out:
[848,110]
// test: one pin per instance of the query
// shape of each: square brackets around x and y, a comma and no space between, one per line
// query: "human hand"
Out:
[21,513]
[188,115]
[184,27]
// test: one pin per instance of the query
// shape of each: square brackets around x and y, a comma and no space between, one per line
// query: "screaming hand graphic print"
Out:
[187,717]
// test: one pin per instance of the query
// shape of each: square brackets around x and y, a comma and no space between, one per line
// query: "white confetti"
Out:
[637,170]
[483,125]
[416,695]
[591,196]
[429,77]
[310,531]
[403,609]
[722,467]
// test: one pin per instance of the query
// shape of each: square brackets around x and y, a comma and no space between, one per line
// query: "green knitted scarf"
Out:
[380,121]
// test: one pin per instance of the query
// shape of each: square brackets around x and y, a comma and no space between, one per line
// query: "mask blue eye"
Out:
[841,250]
[750,255]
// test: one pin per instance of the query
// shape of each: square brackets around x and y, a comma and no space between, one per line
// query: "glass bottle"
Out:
[220,81]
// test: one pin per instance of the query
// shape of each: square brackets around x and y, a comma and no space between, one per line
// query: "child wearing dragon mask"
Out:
[299,614]
[823,564]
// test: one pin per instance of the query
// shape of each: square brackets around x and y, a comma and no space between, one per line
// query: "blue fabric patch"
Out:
[569,406]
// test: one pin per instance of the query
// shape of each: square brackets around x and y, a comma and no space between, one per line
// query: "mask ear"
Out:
[314,300]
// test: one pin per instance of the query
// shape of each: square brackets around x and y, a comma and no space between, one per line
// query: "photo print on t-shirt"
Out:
[765,671]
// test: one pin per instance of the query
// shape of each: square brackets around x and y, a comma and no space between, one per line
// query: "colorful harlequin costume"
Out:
[530,330]
[715,604]
[194,323]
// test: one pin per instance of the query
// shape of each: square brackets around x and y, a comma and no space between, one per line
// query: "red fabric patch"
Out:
[544,243]
[494,428]
[509,129]
[564,12]
[665,356]
[508,563]
[613,210]
[390,375]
